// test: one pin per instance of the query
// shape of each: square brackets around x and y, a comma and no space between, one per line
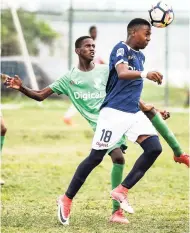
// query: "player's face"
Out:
[142,36]
[87,49]
[93,33]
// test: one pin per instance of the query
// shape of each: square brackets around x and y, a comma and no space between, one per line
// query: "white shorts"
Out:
[113,124]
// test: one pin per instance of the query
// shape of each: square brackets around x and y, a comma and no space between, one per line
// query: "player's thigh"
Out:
[141,138]
[110,129]
[142,127]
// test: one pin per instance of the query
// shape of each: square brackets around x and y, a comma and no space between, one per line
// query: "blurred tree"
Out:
[34,30]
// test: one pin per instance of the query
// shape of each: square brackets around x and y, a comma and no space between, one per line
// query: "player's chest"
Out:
[135,62]
[89,83]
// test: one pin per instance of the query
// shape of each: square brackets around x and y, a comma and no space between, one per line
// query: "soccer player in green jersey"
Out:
[93,33]
[85,85]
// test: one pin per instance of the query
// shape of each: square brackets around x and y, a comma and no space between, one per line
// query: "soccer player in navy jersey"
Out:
[120,114]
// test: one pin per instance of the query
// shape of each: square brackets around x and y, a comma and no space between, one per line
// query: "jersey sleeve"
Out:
[120,55]
[60,86]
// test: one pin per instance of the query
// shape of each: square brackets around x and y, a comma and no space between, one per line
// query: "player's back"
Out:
[123,94]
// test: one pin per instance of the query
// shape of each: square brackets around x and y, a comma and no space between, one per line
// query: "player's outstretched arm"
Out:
[16,83]
[124,73]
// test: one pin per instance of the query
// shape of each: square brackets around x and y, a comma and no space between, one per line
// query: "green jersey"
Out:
[86,90]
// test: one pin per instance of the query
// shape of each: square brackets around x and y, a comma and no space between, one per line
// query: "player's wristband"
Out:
[144,74]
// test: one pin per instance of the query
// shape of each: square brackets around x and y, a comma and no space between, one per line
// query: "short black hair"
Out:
[92,28]
[79,41]
[137,22]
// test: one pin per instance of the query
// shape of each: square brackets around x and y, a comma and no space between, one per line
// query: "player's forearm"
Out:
[36,95]
[129,75]
[148,109]
[145,107]
[142,104]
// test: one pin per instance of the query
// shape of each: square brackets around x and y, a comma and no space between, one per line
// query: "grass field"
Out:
[40,156]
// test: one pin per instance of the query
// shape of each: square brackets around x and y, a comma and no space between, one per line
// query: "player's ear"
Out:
[133,31]
[77,51]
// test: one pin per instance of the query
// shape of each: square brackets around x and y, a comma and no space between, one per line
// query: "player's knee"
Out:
[3,130]
[118,160]
[152,146]
[156,148]
[117,156]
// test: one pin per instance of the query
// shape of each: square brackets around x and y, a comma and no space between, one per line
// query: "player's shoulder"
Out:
[121,44]
[66,76]
[120,48]
[70,72]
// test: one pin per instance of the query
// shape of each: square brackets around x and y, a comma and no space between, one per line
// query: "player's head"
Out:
[139,31]
[93,32]
[85,48]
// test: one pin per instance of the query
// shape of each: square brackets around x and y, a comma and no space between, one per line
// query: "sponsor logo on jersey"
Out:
[77,82]
[72,82]
[89,95]
[120,52]
[101,144]
[131,68]
[131,57]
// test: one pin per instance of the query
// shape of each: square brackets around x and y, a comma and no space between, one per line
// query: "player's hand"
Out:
[4,78]
[165,115]
[14,83]
[155,76]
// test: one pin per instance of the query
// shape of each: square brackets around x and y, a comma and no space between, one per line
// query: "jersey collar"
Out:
[129,47]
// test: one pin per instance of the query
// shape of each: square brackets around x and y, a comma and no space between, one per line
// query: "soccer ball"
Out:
[161,15]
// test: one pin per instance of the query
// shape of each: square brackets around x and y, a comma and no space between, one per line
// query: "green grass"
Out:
[40,156]
[156,94]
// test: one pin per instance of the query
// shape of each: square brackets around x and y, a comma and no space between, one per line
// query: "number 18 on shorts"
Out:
[113,124]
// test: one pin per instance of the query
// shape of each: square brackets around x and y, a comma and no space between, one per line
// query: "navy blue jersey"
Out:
[124,95]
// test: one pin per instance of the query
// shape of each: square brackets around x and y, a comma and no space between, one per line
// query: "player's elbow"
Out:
[120,75]
[40,97]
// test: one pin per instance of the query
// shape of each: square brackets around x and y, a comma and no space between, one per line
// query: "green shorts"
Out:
[120,144]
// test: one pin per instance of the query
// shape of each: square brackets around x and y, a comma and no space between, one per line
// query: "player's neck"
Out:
[131,44]
[85,66]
